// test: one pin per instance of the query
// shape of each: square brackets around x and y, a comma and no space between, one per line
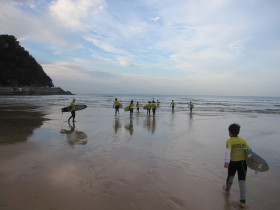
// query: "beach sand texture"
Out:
[170,161]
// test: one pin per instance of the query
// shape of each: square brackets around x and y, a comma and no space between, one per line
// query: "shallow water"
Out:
[171,161]
[205,105]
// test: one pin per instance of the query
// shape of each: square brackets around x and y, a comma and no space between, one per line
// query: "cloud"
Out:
[27,25]
[125,62]
[31,4]
[67,75]
[102,44]
[73,14]
[236,46]
[58,53]
[155,19]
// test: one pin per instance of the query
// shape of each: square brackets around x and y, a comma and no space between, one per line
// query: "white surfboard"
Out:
[255,162]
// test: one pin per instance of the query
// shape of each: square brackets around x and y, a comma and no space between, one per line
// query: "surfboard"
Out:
[78,107]
[126,108]
[255,162]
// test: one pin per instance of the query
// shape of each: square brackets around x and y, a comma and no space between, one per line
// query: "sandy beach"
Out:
[170,161]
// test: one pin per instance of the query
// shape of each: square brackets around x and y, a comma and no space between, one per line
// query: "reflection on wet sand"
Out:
[73,136]
[18,122]
[191,116]
[117,125]
[129,127]
[149,123]
[151,126]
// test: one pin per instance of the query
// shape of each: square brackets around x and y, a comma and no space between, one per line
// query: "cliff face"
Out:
[18,68]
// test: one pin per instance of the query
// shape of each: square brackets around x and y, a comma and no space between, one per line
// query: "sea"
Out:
[203,105]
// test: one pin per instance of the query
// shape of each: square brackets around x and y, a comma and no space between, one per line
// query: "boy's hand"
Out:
[226,164]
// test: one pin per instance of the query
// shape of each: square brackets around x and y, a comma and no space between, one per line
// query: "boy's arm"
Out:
[227,157]
[227,154]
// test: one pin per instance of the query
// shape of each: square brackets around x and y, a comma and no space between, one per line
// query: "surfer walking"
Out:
[235,161]
[153,105]
[158,103]
[191,106]
[131,106]
[149,105]
[73,109]
[137,106]
[173,105]
[117,106]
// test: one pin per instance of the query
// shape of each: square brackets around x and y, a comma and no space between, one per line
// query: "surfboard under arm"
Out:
[78,107]
[255,162]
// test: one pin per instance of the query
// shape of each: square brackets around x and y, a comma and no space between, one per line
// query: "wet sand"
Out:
[103,161]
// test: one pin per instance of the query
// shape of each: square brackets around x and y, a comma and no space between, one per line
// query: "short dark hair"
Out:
[234,129]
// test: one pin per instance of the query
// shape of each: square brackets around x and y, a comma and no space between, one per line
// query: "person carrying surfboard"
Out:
[73,109]
[235,161]
[149,105]
[116,105]
[153,105]
[131,106]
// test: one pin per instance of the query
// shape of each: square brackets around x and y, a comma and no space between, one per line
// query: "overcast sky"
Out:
[190,47]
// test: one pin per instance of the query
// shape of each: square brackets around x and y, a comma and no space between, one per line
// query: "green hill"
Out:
[18,68]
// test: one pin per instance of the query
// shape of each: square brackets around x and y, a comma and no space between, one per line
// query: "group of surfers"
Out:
[151,105]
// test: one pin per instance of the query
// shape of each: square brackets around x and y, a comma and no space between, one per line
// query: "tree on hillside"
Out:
[18,68]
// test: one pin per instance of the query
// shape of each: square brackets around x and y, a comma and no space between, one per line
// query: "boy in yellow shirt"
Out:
[235,161]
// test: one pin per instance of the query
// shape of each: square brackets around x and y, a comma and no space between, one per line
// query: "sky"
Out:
[173,47]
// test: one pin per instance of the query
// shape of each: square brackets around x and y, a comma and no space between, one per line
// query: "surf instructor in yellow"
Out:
[131,106]
[73,109]
[191,106]
[235,161]
[117,106]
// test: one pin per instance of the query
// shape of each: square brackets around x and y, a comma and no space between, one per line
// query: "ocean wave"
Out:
[202,104]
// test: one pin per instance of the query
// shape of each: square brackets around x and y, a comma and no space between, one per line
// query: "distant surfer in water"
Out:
[149,105]
[131,106]
[235,161]
[117,106]
[153,105]
[73,109]
[137,106]
[173,105]
[191,106]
